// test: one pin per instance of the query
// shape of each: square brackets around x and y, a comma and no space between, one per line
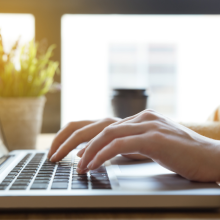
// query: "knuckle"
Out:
[155,125]
[149,115]
[146,115]
[117,143]
[98,157]
[108,131]
[79,134]
[151,110]
[87,152]
[108,120]
[156,135]
[70,124]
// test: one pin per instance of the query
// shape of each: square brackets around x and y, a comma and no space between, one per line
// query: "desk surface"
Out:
[43,142]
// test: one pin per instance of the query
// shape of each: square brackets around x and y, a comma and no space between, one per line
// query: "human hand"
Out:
[75,133]
[148,133]
[78,132]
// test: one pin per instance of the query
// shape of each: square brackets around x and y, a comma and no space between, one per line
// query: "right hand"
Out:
[168,143]
[74,134]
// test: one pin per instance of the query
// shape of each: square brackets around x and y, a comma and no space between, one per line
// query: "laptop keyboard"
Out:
[35,172]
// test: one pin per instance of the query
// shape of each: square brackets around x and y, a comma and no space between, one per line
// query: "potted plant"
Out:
[22,92]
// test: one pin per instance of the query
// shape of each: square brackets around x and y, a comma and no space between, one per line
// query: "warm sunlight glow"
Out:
[15,26]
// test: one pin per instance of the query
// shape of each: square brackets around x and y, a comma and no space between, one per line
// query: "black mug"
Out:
[128,102]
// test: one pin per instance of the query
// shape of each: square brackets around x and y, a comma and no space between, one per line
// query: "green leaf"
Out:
[36,73]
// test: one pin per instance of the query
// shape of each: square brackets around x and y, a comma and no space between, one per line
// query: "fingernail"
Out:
[80,171]
[90,165]
[79,164]
[80,153]
[53,158]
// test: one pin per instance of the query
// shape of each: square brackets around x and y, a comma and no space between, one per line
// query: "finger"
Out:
[109,121]
[124,120]
[63,134]
[144,115]
[124,145]
[104,138]
[81,152]
[81,135]
[135,156]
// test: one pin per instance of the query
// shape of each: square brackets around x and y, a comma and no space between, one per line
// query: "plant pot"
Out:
[21,120]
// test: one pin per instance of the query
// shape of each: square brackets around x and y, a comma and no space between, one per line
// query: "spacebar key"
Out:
[59,186]
[39,186]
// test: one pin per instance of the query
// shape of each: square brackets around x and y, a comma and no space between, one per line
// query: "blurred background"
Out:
[170,48]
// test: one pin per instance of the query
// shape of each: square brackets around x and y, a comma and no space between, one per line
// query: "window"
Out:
[176,57]
[14,27]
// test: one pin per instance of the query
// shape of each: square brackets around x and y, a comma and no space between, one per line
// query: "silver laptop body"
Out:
[28,180]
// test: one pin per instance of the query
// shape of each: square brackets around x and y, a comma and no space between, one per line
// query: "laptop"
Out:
[29,181]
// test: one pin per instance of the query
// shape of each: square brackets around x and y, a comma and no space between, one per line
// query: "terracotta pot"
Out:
[21,120]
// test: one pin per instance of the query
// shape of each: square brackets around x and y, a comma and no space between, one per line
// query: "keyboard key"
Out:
[20,184]
[11,176]
[98,178]
[64,171]
[8,179]
[28,172]
[41,182]
[13,173]
[61,180]
[23,180]
[5,181]
[101,187]
[42,178]
[3,187]
[61,177]
[18,188]
[44,175]
[77,174]
[30,168]
[83,183]
[59,186]
[80,178]
[62,174]
[27,176]
[5,184]
[47,169]
[39,186]
[98,174]
[79,187]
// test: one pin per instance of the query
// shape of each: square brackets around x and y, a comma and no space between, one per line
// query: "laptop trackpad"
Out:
[148,175]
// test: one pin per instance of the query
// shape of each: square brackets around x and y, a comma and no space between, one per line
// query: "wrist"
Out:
[211,165]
